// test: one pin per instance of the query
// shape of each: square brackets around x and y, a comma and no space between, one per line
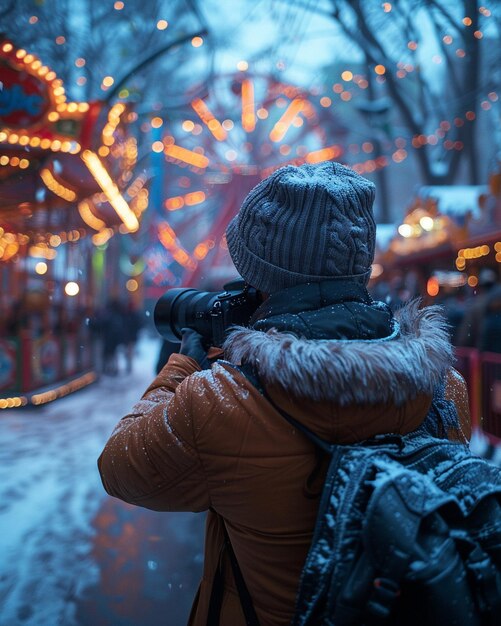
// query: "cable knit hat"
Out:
[305,224]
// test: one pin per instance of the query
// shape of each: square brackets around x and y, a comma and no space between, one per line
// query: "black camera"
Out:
[209,313]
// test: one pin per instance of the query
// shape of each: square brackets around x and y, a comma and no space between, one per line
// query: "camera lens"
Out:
[184,308]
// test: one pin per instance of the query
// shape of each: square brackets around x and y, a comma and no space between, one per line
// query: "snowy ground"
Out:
[69,554]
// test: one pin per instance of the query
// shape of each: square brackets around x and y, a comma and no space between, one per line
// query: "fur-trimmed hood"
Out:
[410,361]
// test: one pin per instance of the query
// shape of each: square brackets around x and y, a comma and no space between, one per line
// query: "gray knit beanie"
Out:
[305,224]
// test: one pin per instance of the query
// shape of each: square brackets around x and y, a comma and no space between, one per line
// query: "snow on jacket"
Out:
[199,440]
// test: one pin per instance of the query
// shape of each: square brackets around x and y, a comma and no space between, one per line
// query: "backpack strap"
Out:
[216,596]
[253,378]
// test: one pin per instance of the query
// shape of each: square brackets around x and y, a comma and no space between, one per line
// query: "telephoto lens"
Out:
[209,313]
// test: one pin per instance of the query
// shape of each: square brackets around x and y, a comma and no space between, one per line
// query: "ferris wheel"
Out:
[245,127]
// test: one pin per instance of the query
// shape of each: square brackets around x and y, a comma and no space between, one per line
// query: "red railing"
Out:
[482,372]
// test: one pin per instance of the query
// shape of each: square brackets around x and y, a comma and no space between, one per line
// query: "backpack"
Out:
[408,532]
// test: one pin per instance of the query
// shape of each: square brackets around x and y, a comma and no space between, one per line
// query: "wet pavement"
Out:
[69,554]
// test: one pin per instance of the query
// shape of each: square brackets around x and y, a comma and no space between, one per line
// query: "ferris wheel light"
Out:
[324,154]
[203,111]
[248,116]
[186,156]
[110,190]
[280,129]
[242,66]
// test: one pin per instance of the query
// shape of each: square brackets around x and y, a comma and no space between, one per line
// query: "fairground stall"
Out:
[67,188]
[447,238]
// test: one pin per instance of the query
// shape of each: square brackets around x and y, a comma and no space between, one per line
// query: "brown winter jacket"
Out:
[209,439]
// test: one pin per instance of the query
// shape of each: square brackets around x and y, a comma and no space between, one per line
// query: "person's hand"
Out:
[192,346]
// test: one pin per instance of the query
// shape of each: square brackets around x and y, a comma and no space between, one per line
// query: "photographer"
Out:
[204,437]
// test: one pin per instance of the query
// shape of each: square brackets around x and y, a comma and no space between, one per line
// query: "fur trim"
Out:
[395,369]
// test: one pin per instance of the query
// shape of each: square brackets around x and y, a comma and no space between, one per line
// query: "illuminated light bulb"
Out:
[14,161]
[35,142]
[227,124]
[131,285]
[196,42]
[24,140]
[347,75]
[83,107]
[427,223]
[157,146]
[24,163]
[50,76]
[230,155]
[71,288]
[472,281]
[325,101]
[7,47]
[162,24]
[157,122]
[432,286]
[103,151]
[55,145]
[242,66]
[380,69]
[412,45]
[118,6]
[405,230]
[53,116]
[29,58]
[20,54]
[467,21]
[262,113]
[4,160]
[346,96]
[108,81]
[447,39]
[41,267]
[72,107]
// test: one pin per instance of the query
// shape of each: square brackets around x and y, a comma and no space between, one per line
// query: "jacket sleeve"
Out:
[151,458]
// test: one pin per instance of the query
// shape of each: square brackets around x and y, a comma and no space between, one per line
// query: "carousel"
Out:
[69,196]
